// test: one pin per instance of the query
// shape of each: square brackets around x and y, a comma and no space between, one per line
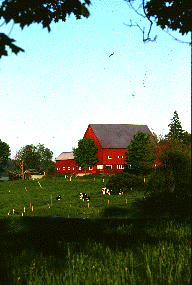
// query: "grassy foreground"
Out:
[117,252]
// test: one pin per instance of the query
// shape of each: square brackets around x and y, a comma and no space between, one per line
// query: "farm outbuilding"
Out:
[112,141]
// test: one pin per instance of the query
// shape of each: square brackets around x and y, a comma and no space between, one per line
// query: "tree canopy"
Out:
[85,153]
[25,13]
[4,155]
[175,15]
[34,157]
[174,173]
[141,153]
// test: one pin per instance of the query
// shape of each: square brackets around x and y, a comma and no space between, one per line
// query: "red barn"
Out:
[112,141]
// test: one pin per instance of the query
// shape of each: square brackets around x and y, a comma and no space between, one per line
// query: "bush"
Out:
[125,182]
[164,192]
[160,180]
[14,176]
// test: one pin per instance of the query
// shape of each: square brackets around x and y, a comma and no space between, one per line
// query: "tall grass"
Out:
[161,263]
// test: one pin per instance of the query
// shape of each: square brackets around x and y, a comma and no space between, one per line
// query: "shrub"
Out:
[160,180]
[125,182]
[164,192]
[14,176]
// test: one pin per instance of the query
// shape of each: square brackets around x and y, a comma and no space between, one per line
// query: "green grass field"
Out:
[18,195]
[115,244]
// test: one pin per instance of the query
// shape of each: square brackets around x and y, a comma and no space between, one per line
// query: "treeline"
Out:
[38,159]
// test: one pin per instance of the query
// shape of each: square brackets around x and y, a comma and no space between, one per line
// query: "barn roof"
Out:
[117,135]
[65,156]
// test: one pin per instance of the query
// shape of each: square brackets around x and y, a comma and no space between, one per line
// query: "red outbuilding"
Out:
[112,141]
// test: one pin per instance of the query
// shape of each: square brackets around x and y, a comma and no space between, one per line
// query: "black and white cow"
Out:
[120,192]
[58,198]
[106,191]
[84,196]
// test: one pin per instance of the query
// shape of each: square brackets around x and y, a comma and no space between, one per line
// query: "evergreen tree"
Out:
[175,128]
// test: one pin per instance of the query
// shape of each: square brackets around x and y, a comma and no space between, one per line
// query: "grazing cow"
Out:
[106,191]
[58,198]
[84,196]
[120,192]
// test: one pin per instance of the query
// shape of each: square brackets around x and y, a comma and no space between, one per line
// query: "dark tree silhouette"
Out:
[176,131]
[4,155]
[25,13]
[176,15]
[173,14]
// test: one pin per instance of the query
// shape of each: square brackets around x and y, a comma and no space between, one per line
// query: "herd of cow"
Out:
[85,197]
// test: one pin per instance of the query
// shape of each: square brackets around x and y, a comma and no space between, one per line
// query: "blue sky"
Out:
[66,79]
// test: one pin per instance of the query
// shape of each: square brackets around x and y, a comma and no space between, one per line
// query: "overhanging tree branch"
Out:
[174,14]
[182,42]
[25,13]
[11,28]
[142,30]
[6,41]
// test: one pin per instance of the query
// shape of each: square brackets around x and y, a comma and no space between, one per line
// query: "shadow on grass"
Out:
[43,234]
[52,236]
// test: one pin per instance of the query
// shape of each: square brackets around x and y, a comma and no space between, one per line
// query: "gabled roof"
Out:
[65,156]
[117,135]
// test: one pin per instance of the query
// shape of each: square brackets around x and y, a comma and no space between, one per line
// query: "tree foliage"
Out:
[126,182]
[34,157]
[169,185]
[25,13]
[141,153]
[85,153]
[173,14]
[4,155]
[176,15]
[51,168]
[176,131]
[175,128]
[176,159]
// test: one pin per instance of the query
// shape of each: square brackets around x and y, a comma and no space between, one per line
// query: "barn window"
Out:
[57,168]
[90,167]
[108,166]
[120,167]
[68,167]
[79,168]
[73,168]
[99,166]
[109,157]
[63,167]
[120,156]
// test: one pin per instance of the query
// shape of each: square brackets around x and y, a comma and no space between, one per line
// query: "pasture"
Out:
[107,240]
